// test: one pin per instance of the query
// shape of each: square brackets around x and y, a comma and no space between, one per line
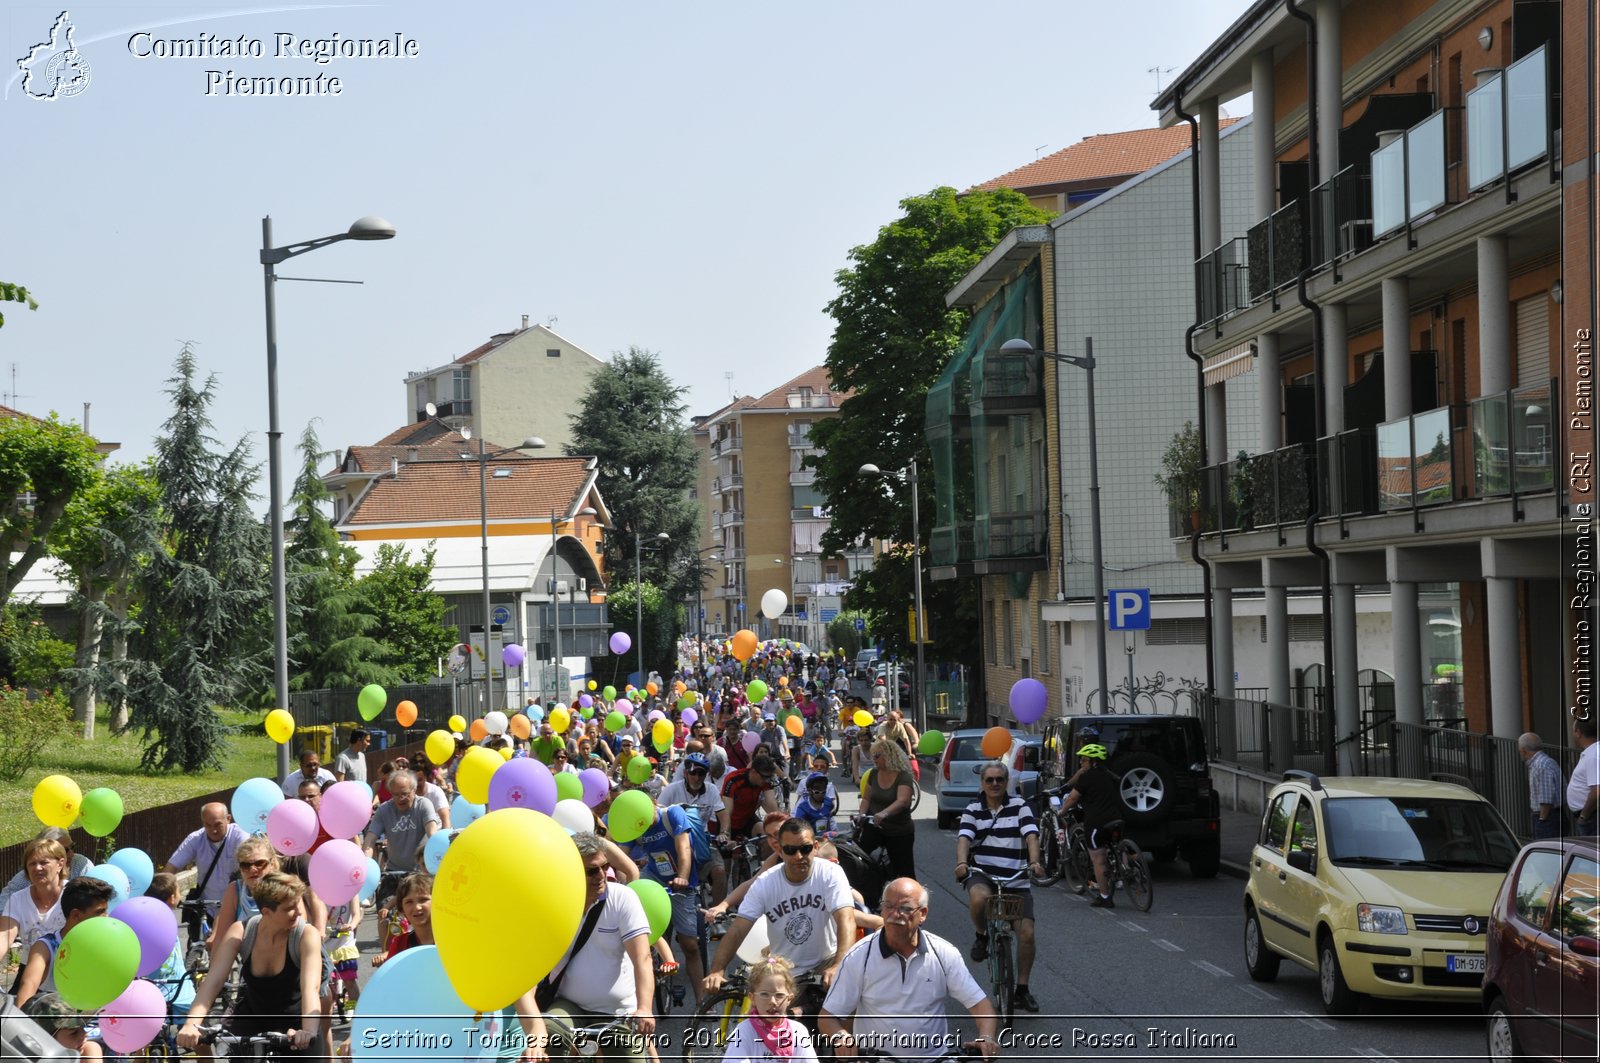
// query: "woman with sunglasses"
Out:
[255,857]
[561,761]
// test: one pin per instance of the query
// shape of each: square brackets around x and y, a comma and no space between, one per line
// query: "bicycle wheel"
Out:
[1134,876]
[713,1022]
[1076,865]
[1005,982]
[1049,848]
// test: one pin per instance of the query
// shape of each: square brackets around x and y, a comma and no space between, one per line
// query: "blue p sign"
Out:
[1129,609]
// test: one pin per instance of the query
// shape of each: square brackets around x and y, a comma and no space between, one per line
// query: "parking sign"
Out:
[1129,610]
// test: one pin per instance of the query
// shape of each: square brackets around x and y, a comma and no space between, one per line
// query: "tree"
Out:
[842,633]
[42,465]
[15,293]
[893,336]
[410,614]
[205,592]
[660,631]
[632,420]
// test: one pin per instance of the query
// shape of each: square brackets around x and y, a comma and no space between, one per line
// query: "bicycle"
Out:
[1125,866]
[744,860]
[1052,838]
[1002,911]
[263,1046]
[707,1032]
[587,1041]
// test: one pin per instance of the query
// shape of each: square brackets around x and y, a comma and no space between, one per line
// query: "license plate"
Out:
[1473,964]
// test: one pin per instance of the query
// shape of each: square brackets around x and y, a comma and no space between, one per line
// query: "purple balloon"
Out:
[523,783]
[154,924]
[620,643]
[595,785]
[690,716]
[585,701]
[513,655]
[749,740]
[1029,699]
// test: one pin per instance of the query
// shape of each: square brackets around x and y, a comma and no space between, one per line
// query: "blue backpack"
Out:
[699,839]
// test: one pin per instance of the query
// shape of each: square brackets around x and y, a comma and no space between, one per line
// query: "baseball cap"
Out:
[768,716]
[54,1014]
[625,738]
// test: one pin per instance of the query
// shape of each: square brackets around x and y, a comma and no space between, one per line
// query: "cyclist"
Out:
[65,1024]
[210,851]
[81,898]
[1096,790]
[894,983]
[886,794]
[995,830]
[747,790]
[768,1032]
[407,824]
[818,804]
[693,788]
[664,855]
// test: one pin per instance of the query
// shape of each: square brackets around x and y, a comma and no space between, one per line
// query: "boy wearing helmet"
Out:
[1095,789]
[818,804]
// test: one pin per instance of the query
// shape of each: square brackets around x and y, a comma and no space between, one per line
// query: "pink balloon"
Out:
[156,927]
[749,740]
[346,808]
[523,783]
[338,869]
[132,1020]
[657,714]
[595,786]
[292,827]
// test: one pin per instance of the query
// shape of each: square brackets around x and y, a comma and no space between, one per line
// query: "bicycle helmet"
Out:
[816,781]
[698,760]
[1094,751]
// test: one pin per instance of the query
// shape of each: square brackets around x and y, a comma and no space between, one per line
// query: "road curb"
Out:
[1234,870]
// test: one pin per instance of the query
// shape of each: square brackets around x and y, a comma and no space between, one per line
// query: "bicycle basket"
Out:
[1006,906]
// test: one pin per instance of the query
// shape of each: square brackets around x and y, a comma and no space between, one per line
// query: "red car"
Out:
[1540,987]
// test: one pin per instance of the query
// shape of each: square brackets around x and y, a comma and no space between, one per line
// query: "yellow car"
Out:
[1383,887]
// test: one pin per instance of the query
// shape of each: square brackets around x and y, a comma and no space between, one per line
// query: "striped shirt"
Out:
[998,849]
[1544,781]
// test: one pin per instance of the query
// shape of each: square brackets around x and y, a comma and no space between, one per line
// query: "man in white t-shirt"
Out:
[351,763]
[310,768]
[1583,786]
[807,906]
[694,788]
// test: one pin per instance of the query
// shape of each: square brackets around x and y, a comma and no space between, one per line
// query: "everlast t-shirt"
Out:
[799,915]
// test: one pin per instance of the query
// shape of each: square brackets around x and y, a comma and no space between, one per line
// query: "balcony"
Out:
[1416,461]
[802,477]
[449,408]
[1222,281]
[1341,211]
[810,400]
[953,545]
[1010,383]
[733,553]
[1411,174]
[1012,542]
[730,590]
[1272,490]
[716,517]
[1513,447]
[799,438]
[731,517]
[1276,250]
[1509,122]
[726,445]
[1347,465]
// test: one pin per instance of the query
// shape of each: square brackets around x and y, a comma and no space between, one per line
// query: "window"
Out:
[1303,835]
[1008,632]
[1536,884]
[461,385]
[805,496]
[1275,828]
[1176,631]
[552,352]
[988,636]
[1576,912]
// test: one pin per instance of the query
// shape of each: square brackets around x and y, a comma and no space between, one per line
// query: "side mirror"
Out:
[1584,945]
[1303,860]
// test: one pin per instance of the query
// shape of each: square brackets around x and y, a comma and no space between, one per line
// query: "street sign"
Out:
[501,615]
[1129,609]
[829,615]
[861,625]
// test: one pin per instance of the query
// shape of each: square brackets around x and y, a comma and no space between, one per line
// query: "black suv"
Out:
[1169,805]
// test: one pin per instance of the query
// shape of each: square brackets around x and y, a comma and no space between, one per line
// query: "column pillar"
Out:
[1336,357]
[1494,316]
[1269,393]
[1210,176]
[1396,348]
[1330,87]
[1217,423]
[1263,145]
[1406,636]
[1222,638]
[1346,695]
[1505,662]
[1277,606]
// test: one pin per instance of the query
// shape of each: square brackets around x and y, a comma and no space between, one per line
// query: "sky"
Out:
[683,177]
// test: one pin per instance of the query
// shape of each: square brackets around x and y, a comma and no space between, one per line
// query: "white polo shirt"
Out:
[899,1003]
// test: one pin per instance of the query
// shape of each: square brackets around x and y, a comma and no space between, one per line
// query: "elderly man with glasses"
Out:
[995,829]
[405,824]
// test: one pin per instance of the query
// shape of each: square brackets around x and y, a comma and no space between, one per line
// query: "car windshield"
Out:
[1167,739]
[967,747]
[1417,833]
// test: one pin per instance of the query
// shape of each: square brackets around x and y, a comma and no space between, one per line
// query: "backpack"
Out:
[699,839]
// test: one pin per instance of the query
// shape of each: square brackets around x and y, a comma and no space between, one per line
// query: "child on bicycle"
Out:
[769,1033]
[819,804]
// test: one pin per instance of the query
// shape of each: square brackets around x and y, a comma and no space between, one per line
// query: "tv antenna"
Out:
[727,376]
[1039,149]
[9,398]
[1158,71]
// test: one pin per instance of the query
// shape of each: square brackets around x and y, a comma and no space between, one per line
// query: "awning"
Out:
[1230,363]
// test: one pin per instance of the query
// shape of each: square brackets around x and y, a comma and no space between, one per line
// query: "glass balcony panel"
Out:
[1389,187]
[1434,475]
[1486,132]
[1425,165]
[1491,474]
[1532,456]
[1527,110]
[1394,465]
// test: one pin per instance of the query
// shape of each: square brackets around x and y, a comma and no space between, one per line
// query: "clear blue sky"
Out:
[685,177]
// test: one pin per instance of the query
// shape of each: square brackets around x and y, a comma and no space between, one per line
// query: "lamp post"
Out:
[699,605]
[919,635]
[1084,361]
[370,227]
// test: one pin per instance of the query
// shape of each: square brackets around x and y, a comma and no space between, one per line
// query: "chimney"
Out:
[394,466]
[411,454]
[524,320]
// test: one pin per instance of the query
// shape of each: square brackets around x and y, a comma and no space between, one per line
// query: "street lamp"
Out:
[699,603]
[370,227]
[1084,361]
[919,634]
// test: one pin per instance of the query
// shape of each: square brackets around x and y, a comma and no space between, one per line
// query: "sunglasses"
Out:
[254,865]
[797,850]
[694,771]
[594,872]
[994,780]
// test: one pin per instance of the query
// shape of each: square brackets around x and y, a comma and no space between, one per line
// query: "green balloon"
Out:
[931,744]
[756,690]
[568,787]
[686,702]
[587,714]
[102,811]
[610,693]
[615,721]
[630,816]
[657,905]
[371,701]
[97,960]
[639,769]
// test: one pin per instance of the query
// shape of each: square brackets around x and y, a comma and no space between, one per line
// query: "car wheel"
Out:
[1503,1044]
[1144,787]
[1259,960]
[1205,858]
[1338,999]
[947,820]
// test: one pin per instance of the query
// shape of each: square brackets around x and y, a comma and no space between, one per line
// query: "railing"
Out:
[1347,466]
[732,516]
[1261,735]
[800,439]
[1260,491]
[953,544]
[1277,250]
[1341,209]
[448,408]
[733,553]
[1513,447]
[1014,534]
[733,481]
[1410,174]
[1508,120]
[1010,381]
[716,514]
[802,477]
[1416,461]
[1222,281]
[817,400]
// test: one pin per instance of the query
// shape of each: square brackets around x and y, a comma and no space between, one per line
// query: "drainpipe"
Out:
[1319,357]
[1199,387]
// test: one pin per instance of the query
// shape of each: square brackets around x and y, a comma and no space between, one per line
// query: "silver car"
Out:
[959,784]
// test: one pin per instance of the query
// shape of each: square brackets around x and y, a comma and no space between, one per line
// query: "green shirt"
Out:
[545,748]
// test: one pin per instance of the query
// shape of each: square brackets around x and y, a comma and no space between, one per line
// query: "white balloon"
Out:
[496,722]
[773,603]
[754,942]
[573,815]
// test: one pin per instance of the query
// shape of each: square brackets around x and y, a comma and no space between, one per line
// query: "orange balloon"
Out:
[521,726]
[678,687]
[783,680]
[744,644]
[479,730]
[996,740]
[405,713]
[652,688]
[795,726]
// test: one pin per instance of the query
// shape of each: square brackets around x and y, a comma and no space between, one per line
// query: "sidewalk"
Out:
[1239,830]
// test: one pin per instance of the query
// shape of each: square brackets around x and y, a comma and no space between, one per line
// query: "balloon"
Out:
[996,740]
[102,811]
[405,713]
[95,962]
[534,713]
[513,655]
[132,1021]
[139,868]
[434,851]
[744,645]
[652,688]
[679,687]
[117,879]
[478,731]
[573,816]
[661,731]
[280,725]
[620,643]
[639,768]
[346,809]
[506,753]
[338,870]
[463,812]
[657,905]
[631,814]
[931,744]
[615,721]
[523,783]
[439,747]
[585,701]
[795,726]
[521,726]
[622,704]
[56,800]
[390,1019]
[369,885]
[689,717]
[655,714]
[862,718]
[560,719]
[783,680]
[749,740]
[609,693]
[458,723]
[592,684]
[595,786]
[1029,699]
[568,786]
[756,691]
[155,925]
[477,767]
[755,942]
[485,872]
[496,722]
[371,700]
[292,827]
[252,801]
[773,603]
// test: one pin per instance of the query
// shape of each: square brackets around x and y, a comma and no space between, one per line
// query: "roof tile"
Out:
[1101,157]
[449,491]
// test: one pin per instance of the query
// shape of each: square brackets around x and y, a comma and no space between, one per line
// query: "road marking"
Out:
[1131,925]
[1211,968]
[1259,993]
[1169,946]
[1310,1020]
[1376,1056]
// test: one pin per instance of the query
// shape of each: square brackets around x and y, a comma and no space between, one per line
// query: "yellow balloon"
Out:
[473,773]
[440,747]
[458,723]
[559,718]
[56,801]
[863,718]
[505,752]
[661,733]
[484,872]
[280,726]
[593,685]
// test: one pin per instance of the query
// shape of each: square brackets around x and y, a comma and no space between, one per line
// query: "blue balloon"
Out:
[434,851]
[463,812]
[534,712]
[369,886]
[137,865]
[117,879]
[252,801]
[390,1020]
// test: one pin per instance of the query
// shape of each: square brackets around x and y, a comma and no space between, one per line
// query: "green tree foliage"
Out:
[333,630]
[842,633]
[632,420]
[205,592]
[410,615]
[42,465]
[893,336]
[29,721]
[15,293]
[660,632]
[31,655]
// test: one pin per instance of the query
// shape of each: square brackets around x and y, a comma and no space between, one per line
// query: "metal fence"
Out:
[1261,735]
[324,718]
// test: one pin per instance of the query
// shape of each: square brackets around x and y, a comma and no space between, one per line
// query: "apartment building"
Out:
[1409,310]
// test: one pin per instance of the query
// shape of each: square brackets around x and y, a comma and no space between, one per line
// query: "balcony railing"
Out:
[716,516]
[1513,447]
[1416,461]
[449,408]
[730,590]
[1277,249]
[802,477]
[1014,534]
[732,553]
[726,445]
[1011,382]
[800,438]
[1262,491]
[1508,120]
[953,544]
[1341,209]
[1411,174]
[1222,281]
[730,517]
[1347,464]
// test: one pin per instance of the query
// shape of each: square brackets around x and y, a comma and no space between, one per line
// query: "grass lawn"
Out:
[114,762]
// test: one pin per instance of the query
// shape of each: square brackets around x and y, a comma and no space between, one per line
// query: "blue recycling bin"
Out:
[380,737]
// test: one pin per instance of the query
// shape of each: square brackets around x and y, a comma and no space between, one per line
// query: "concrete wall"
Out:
[518,390]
